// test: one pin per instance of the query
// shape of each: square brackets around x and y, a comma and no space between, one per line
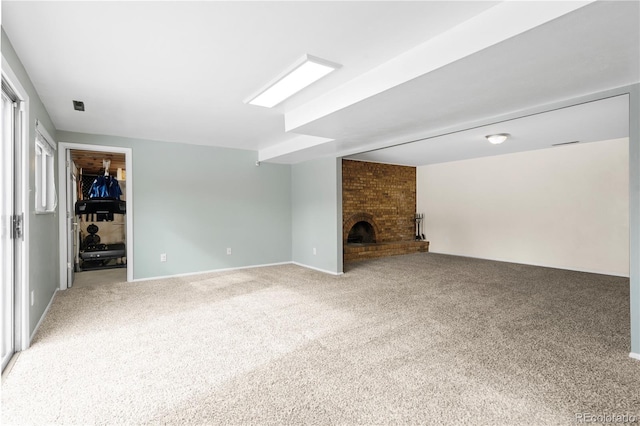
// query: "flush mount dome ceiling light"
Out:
[498,138]
[301,74]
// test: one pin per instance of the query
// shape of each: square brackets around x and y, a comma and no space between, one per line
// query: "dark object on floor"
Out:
[94,255]
[104,251]
[103,256]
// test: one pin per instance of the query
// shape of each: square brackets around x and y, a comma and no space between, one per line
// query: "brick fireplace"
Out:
[378,210]
[360,228]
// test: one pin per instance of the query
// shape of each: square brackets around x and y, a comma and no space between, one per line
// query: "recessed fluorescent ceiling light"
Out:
[304,72]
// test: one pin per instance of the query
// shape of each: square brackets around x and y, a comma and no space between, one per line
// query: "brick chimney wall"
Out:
[387,192]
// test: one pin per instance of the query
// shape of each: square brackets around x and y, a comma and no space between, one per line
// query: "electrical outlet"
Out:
[32,296]
[163,257]
[315,251]
[228,250]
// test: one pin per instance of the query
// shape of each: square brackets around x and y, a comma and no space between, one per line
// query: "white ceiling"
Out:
[601,120]
[179,71]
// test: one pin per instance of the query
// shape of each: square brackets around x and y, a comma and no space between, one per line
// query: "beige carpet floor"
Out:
[99,277]
[415,339]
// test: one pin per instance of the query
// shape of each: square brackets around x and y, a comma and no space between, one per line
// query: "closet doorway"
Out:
[96,232]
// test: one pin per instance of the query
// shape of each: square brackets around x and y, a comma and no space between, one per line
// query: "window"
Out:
[46,198]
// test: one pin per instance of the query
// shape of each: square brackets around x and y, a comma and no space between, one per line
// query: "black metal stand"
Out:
[418,218]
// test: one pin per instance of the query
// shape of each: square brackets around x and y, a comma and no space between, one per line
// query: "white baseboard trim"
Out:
[188,274]
[519,262]
[44,314]
[317,269]
[634,356]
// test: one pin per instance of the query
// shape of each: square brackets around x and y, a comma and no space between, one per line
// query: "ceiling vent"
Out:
[78,105]
[565,143]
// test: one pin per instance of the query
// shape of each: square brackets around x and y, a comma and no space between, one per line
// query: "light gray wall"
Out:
[193,202]
[316,188]
[43,228]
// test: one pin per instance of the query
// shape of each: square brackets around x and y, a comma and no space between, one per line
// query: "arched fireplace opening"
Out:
[361,233]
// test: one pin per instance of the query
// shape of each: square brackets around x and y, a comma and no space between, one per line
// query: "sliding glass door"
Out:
[9,220]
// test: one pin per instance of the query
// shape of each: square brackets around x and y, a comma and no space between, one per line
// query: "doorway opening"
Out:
[98,226]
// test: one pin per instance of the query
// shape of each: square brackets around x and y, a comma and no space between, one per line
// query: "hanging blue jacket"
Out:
[105,187]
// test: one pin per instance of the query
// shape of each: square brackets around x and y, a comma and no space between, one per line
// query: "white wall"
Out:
[565,207]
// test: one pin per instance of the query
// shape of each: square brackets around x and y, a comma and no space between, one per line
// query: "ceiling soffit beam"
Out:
[499,23]
[333,148]
[299,142]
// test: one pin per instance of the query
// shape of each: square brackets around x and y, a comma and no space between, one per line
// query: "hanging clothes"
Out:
[105,187]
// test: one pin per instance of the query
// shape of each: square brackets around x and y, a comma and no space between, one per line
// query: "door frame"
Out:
[22,336]
[63,181]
